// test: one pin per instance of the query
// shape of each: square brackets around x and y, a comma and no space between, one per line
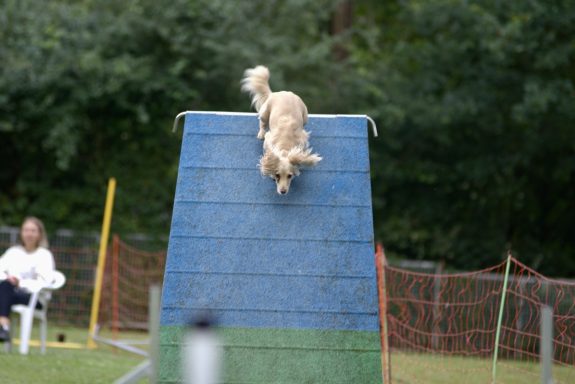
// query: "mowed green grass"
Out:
[59,365]
[408,368]
[105,365]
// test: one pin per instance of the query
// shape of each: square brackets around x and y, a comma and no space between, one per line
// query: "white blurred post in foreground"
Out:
[201,354]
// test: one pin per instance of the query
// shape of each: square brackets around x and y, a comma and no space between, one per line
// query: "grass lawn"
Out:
[409,368]
[105,365]
[59,365]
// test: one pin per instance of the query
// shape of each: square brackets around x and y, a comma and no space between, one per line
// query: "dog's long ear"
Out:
[304,157]
[269,163]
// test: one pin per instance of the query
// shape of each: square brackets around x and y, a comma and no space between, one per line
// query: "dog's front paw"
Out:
[261,134]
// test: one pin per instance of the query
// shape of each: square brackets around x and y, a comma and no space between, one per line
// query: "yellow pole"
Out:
[101,260]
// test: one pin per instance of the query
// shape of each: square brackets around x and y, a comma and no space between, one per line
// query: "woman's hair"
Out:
[43,241]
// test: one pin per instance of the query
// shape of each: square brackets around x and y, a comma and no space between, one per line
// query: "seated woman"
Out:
[24,268]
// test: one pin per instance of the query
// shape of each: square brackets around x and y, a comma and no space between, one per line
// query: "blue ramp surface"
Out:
[281,274]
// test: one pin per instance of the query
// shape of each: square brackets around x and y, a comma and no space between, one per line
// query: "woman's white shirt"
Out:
[34,269]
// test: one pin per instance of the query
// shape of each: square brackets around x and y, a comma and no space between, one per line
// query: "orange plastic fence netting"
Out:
[443,326]
[127,279]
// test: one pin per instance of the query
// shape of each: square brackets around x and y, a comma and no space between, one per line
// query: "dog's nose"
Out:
[283,191]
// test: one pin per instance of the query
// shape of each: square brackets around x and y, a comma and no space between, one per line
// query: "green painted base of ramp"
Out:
[298,356]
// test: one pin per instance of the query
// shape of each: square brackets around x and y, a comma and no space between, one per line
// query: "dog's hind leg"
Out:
[263,116]
[303,112]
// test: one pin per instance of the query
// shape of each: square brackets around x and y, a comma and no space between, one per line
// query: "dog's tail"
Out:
[256,83]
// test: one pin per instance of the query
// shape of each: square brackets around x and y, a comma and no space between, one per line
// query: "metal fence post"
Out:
[154,330]
[546,344]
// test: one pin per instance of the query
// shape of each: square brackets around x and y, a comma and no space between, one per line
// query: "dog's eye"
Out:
[289,176]
[277,176]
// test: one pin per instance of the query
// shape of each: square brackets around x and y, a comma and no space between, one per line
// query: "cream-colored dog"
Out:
[286,145]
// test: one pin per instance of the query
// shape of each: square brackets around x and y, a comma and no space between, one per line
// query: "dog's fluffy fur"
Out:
[286,146]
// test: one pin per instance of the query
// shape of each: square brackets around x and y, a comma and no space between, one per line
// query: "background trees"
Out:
[477,153]
[474,101]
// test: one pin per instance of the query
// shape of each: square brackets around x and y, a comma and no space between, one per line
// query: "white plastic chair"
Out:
[29,312]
